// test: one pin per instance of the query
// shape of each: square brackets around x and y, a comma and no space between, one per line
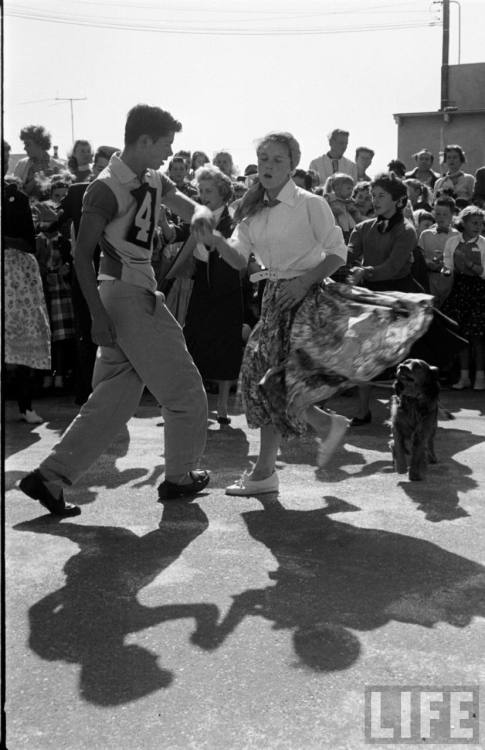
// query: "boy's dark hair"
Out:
[446,193]
[196,155]
[105,152]
[251,169]
[364,149]
[337,131]
[38,134]
[184,154]
[423,215]
[446,201]
[307,178]
[397,166]
[152,121]
[391,183]
[176,160]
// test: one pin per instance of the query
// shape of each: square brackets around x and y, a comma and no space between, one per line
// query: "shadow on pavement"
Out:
[88,619]
[468,399]
[334,579]
[18,437]
[103,472]
[226,454]
[437,496]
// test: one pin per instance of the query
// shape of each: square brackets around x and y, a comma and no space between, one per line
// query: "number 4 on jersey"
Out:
[141,231]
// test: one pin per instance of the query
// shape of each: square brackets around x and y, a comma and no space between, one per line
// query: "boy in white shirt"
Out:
[432,241]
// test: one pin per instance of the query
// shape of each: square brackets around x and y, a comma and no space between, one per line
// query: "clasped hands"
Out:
[203,225]
[291,293]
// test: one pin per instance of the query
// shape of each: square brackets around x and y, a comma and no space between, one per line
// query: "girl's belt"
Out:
[272,275]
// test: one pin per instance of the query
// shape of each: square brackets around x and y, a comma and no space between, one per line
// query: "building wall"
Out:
[429,130]
[466,86]
[435,130]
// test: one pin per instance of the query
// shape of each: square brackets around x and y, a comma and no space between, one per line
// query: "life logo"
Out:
[431,715]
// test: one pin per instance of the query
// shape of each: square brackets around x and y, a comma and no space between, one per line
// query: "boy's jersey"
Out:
[132,208]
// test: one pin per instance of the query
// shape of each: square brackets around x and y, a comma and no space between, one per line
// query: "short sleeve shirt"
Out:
[131,208]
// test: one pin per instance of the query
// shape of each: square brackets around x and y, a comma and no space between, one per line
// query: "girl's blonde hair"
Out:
[339,178]
[222,182]
[466,212]
[253,201]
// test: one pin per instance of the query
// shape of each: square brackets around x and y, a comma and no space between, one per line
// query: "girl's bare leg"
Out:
[364,401]
[223,397]
[331,430]
[270,440]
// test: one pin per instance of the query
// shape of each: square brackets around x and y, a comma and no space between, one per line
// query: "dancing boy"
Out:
[140,343]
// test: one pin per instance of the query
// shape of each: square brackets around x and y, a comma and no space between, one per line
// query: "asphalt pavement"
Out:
[241,623]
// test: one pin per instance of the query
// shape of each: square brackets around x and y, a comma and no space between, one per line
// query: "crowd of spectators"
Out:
[42,204]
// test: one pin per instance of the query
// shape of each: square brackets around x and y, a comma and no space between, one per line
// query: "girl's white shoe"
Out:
[326,448]
[244,486]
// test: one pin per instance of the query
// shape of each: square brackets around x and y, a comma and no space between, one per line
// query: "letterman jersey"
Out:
[132,207]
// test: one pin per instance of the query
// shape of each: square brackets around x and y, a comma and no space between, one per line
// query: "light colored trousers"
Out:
[150,350]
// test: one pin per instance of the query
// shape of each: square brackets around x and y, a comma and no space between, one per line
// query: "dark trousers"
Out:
[85,353]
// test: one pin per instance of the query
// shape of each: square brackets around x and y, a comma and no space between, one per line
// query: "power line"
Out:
[278,14]
[210,31]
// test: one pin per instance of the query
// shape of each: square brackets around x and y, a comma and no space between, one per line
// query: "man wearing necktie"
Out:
[334,160]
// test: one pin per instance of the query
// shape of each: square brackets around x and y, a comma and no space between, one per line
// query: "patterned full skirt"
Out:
[27,331]
[339,335]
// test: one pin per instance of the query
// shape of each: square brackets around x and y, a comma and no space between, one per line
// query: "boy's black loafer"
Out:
[34,485]
[171,491]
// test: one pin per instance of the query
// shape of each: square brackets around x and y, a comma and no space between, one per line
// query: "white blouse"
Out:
[452,244]
[293,236]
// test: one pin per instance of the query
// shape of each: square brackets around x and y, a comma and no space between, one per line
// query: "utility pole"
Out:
[445,55]
[455,2]
[71,99]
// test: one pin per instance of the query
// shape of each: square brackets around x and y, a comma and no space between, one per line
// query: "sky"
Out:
[230,71]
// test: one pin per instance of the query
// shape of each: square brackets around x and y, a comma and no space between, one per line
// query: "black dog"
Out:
[414,417]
